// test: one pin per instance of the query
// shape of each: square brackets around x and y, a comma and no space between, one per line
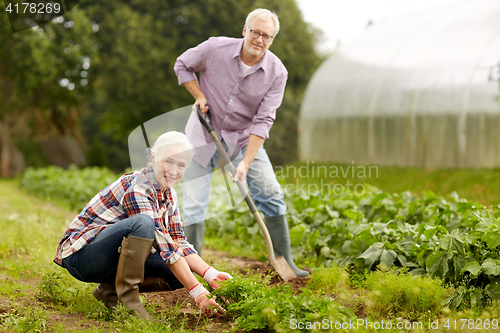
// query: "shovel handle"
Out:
[207,123]
[227,161]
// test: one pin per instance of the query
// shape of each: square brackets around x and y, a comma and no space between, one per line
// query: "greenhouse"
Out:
[419,91]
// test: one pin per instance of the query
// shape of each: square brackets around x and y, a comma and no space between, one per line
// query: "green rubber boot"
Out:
[280,237]
[194,234]
[130,273]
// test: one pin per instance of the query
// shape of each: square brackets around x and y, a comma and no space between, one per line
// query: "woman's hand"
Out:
[208,306]
[213,277]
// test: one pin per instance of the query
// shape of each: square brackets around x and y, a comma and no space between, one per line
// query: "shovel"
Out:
[279,264]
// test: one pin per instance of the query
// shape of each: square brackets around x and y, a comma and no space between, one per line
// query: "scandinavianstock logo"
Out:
[26,14]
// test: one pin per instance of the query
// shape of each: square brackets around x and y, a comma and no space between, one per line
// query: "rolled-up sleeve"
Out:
[266,114]
[173,238]
[191,61]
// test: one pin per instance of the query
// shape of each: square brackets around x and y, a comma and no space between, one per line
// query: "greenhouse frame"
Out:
[422,91]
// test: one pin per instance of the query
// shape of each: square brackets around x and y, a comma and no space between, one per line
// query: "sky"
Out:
[342,20]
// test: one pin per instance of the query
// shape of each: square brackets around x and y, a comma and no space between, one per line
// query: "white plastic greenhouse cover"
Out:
[420,91]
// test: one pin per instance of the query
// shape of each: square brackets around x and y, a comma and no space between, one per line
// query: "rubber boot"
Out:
[130,273]
[280,237]
[154,284]
[194,234]
[106,293]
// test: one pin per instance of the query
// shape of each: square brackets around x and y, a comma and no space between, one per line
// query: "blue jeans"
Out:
[262,183]
[98,260]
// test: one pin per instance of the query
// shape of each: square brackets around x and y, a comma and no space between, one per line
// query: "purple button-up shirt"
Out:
[240,105]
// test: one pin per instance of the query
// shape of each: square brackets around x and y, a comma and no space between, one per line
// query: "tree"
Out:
[43,78]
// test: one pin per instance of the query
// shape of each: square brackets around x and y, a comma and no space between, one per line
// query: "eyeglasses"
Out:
[265,37]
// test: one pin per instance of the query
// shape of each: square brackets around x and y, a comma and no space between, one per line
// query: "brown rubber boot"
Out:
[153,284]
[130,273]
[106,293]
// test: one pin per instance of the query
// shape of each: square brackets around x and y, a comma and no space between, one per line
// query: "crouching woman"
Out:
[129,237]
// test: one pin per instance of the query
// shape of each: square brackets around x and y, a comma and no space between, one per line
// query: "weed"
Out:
[70,295]
[27,319]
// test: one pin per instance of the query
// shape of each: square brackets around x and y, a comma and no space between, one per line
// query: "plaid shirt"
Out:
[131,194]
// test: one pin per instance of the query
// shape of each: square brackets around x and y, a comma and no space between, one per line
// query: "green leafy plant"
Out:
[257,306]
[451,239]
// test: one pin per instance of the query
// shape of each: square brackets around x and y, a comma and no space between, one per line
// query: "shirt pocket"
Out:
[252,91]
[243,133]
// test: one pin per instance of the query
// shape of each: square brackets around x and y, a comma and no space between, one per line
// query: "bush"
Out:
[400,294]
[329,280]
[74,187]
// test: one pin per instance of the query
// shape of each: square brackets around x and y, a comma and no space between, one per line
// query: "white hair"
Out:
[170,139]
[264,15]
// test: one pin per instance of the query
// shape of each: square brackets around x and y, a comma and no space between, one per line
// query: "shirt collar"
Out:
[239,45]
[161,194]
[262,62]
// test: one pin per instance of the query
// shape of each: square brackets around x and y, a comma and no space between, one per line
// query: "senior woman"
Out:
[132,229]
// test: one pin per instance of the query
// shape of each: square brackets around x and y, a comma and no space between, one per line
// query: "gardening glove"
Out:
[213,277]
[208,306]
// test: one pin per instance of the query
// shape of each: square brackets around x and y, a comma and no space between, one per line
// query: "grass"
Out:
[480,185]
[29,229]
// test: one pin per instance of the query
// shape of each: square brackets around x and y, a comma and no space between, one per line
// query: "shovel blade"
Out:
[282,267]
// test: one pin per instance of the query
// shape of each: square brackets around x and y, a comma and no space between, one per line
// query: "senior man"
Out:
[243,84]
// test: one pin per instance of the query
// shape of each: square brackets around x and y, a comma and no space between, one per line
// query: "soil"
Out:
[178,301]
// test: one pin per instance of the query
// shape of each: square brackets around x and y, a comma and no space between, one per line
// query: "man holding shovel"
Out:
[243,83]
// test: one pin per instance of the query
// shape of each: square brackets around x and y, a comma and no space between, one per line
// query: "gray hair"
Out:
[170,139]
[264,15]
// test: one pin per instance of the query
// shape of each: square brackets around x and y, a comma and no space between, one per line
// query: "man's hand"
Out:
[202,102]
[241,172]
[213,277]
[207,305]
